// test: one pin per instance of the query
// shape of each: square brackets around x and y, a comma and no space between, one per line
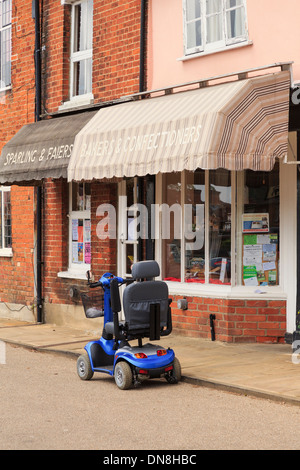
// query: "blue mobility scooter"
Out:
[147,313]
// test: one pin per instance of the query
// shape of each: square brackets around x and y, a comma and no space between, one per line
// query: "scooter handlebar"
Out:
[95,284]
[107,278]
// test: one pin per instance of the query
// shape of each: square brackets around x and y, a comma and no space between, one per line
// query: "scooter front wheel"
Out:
[84,368]
[123,375]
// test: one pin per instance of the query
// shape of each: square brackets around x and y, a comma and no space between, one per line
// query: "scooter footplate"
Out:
[100,360]
[106,369]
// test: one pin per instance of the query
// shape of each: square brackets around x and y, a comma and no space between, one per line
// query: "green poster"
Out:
[249,271]
[250,239]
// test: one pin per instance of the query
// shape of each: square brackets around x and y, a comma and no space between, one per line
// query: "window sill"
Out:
[71,274]
[196,55]
[4,89]
[6,252]
[227,292]
[77,102]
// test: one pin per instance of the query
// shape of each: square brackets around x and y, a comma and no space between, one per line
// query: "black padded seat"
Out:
[137,299]
[138,296]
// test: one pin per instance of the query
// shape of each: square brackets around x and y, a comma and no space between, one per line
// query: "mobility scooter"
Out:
[147,313]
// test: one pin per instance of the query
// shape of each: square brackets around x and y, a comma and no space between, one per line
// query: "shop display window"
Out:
[204,230]
[221,227]
[80,224]
[171,226]
[195,226]
[259,241]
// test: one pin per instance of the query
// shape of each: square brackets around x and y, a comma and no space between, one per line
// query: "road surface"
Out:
[44,405]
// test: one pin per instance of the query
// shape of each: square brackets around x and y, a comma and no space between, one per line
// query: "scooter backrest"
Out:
[137,299]
[145,270]
[138,296]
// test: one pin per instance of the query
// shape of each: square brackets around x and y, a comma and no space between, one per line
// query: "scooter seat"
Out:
[109,327]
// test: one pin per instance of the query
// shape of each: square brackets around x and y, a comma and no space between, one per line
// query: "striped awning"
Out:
[235,125]
[41,150]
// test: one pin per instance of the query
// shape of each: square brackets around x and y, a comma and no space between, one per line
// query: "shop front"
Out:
[204,187]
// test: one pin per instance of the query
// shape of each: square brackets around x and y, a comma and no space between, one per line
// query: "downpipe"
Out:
[39,190]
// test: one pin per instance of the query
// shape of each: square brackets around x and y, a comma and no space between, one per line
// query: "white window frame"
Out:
[88,97]
[8,27]
[3,250]
[75,270]
[220,45]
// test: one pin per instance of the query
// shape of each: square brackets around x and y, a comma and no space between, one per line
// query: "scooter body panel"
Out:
[103,357]
[152,361]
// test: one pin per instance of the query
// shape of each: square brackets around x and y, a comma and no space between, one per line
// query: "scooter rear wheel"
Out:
[84,368]
[175,376]
[123,375]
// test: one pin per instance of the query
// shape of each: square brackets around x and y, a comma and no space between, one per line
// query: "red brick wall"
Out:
[116,49]
[236,320]
[16,109]
[55,241]
[55,40]
[16,273]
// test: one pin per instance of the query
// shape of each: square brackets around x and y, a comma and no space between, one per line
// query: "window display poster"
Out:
[80,252]
[80,232]
[260,259]
[74,229]
[87,230]
[87,253]
[74,252]
[81,241]
[253,223]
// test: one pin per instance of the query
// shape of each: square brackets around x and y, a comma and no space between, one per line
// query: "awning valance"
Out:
[41,149]
[235,125]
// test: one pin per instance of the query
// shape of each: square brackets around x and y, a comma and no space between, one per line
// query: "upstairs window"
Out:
[212,25]
[5,43]
[81,48]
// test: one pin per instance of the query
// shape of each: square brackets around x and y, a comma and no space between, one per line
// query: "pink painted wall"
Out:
[273,27]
